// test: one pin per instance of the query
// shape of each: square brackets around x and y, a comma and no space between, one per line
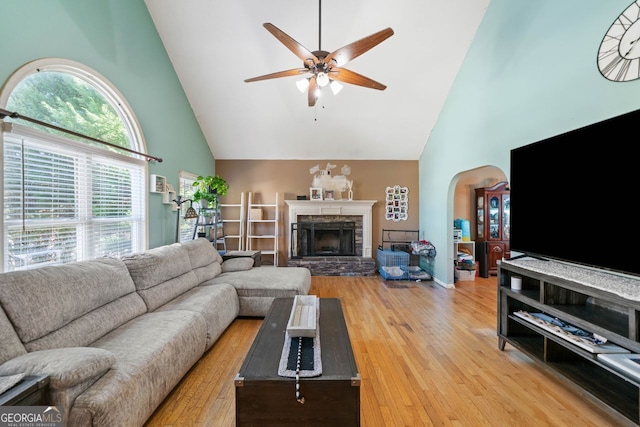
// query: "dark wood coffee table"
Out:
[263,398]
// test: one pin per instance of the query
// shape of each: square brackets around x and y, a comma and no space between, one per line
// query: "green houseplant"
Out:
[209,188]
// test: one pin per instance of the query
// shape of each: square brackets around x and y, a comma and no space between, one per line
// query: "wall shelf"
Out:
[470,245]
[157,184]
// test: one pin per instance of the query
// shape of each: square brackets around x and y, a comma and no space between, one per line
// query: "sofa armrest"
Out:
[66,367]
[237,264]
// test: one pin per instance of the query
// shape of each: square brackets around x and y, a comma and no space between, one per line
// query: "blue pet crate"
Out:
[392,265]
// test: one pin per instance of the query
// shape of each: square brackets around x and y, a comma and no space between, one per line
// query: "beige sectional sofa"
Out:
[116,335]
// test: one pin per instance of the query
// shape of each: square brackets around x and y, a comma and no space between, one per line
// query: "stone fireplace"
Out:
[331,237]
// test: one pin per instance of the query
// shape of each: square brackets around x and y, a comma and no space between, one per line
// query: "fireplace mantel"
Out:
[336,207]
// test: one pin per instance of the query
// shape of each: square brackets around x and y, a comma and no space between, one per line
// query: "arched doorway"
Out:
[463,201]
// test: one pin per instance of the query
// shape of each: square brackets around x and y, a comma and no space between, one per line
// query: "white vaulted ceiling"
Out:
[215,45]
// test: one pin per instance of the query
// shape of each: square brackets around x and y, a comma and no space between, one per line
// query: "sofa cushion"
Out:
[218,305]
[255,306]
[201,252]
[205,260]
[66,367]
[86,329]
[153,352]
[258,286]
[277,282]
[161,274]
[237,264]
[11,344]
[69,305]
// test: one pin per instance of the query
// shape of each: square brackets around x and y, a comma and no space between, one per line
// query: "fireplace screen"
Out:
[323,239]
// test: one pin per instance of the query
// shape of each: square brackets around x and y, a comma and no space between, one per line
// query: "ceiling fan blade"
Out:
[351,51]
[300,51]
[287,73]
[347,76]
[313,92]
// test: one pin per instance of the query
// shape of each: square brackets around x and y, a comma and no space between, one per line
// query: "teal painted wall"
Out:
[529,74]
[116,38]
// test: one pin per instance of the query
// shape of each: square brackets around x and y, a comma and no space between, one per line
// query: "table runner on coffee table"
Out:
[311,360]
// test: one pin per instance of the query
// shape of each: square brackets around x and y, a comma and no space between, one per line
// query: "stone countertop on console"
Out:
[624,286]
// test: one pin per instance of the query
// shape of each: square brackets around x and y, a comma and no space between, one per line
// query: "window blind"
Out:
[66,201]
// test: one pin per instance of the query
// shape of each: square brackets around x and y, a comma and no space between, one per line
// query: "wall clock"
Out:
[619,53]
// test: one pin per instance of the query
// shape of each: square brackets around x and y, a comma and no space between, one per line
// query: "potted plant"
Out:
[208,189]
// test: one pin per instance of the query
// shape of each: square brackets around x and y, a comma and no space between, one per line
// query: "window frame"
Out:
[111,95]
[90,76]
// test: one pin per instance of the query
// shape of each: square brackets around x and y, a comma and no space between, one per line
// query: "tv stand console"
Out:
[594,301]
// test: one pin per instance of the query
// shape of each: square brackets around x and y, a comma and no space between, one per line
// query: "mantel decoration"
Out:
[397,203]
[315,193]
[327,183]
[208,189]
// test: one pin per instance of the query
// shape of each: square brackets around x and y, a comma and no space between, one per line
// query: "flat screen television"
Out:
[573,196]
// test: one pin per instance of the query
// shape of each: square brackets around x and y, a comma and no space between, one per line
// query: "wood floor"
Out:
[427,356]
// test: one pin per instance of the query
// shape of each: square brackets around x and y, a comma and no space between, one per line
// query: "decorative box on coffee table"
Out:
[263,398]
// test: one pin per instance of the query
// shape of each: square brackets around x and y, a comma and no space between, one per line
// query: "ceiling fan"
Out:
[324,68]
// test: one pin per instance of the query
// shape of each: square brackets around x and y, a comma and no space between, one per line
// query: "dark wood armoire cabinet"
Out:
[492,227]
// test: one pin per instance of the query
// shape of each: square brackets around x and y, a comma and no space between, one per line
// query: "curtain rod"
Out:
[14,115]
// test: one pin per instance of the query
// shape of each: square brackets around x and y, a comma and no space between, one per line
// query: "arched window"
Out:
[67,198]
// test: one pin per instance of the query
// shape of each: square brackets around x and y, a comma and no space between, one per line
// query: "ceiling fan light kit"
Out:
[322,68]
[322,79]
[302,84]
[335,87]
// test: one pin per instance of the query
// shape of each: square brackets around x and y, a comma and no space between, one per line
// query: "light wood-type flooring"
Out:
[427,356]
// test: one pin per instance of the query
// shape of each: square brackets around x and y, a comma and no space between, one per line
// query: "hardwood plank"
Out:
[427,356]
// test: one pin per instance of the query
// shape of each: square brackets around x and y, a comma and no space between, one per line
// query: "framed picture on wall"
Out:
[315,193]
[397,203]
